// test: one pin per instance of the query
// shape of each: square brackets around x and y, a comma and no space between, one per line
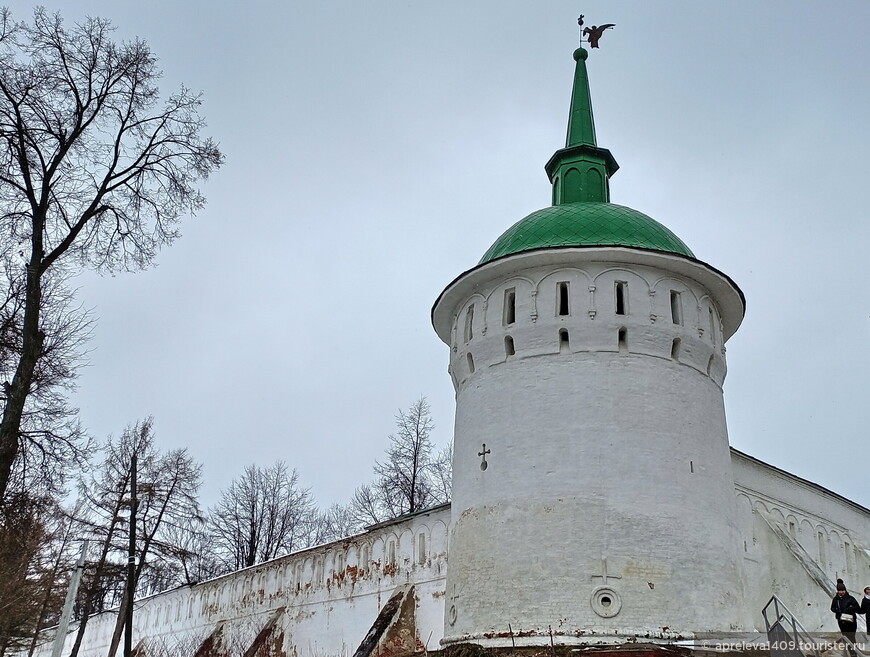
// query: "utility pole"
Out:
[63,624]
[131,560]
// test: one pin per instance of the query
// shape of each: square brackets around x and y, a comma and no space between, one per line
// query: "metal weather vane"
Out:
[593,33]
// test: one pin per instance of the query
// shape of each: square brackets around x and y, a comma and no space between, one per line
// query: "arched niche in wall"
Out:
[760,506]
[405,554]
[563,293]
[366,557]
[509,304]
[439,537]
[617,286]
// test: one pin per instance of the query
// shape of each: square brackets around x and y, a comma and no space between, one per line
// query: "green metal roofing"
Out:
[581,214]
[581,124]
[586,224]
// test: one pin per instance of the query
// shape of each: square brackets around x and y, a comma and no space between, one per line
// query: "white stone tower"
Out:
[592,490]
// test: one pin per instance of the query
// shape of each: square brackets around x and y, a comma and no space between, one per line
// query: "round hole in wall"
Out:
[605,602]
[451,614]
[484,465]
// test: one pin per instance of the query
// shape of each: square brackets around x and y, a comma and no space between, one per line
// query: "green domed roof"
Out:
[586,224]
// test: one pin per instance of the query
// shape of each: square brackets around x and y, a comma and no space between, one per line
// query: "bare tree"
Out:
[403,476]
[24,577]
[262,514]
[366,508]
[409,479]
[52,442]
[190,556]
[442,474]
[337,522]
[167,498]
[56,562]
[94,169]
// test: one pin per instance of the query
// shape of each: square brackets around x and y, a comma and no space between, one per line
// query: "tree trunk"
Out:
[83,623]
[43,612]
[120,622]
[19,389]
[98,574]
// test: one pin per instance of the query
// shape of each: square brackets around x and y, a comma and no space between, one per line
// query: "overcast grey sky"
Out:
[375,149]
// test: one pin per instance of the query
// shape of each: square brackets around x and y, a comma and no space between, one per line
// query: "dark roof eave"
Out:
[397,519]
[583,149]
[807,482]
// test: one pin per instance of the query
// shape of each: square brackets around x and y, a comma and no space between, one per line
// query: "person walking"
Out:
[865,607]
[846,609]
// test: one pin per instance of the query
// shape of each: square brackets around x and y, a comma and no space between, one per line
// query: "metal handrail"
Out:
[784,618]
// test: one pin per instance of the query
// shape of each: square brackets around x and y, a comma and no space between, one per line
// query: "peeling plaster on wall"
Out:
[326,612]
[330,620]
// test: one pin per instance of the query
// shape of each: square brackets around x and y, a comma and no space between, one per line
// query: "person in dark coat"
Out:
[845,607]
[865,607]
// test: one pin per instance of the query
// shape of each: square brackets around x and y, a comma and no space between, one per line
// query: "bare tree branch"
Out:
[408,479]
[169,483]
[95,171]
[262,514]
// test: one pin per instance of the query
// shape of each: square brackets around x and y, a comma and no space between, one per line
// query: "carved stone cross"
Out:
[482,455]
[604,575]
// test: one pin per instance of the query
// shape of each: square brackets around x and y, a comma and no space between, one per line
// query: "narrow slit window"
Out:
[469,323]
[563,340]
[709,365]
[622,339]
[470,360]
[676,308]
[391,553]
[675,349]
[510,306]
[562,301]
[509,349]
[620,297]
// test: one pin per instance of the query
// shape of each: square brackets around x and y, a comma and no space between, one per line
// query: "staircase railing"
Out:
[786,635]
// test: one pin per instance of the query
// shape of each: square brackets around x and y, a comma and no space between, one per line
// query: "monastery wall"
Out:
[798,538]
[321,601]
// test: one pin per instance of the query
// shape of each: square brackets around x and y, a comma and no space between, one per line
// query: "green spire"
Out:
[581,124]
[581,170]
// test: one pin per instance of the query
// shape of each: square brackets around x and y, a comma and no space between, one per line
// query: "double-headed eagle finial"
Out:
[594,33]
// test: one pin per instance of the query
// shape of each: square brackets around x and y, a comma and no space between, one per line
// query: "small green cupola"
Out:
[580,172]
